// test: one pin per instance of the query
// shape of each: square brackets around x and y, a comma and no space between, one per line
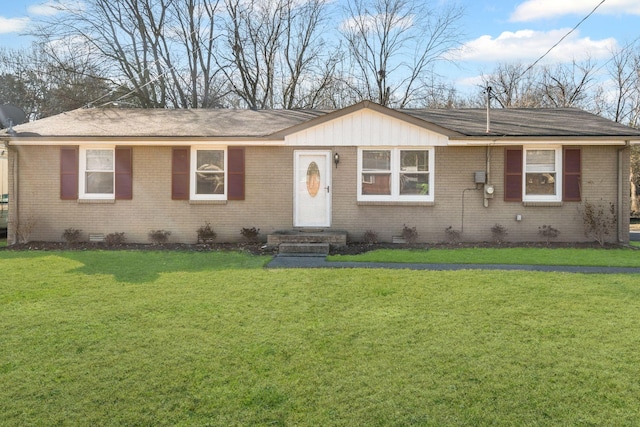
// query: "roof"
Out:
[228,123]
[525,122]
[119,122]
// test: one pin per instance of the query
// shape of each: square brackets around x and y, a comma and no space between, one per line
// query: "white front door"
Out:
[312,189]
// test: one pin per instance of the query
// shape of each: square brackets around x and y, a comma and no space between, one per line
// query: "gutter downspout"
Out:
[14,221]
[485,202]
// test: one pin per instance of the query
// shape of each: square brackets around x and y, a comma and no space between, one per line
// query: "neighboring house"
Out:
[365,167]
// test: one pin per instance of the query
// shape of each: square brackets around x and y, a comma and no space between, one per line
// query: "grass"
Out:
[171,338]
[531,256]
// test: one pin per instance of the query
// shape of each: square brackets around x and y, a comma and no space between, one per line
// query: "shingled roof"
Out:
[525,122]
[227,123]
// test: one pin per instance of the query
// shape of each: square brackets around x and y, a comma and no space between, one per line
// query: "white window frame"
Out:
[395,195]
[192,173]
[82,164]
[558,171]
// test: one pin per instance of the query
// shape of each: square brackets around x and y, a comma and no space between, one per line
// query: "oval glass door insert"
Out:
[313,179]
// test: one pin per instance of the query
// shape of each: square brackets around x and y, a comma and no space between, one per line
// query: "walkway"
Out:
[321,262]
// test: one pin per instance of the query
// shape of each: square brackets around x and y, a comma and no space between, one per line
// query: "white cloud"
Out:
[532,10]
[529,45]
[470,82]
[13,25]
[51,8]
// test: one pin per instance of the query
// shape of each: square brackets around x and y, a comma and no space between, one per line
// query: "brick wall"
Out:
[268,203]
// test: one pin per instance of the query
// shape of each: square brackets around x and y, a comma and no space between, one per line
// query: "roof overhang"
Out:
[145,141]
[564,140]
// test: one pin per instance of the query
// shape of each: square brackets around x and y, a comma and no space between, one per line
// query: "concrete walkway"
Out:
[314,261]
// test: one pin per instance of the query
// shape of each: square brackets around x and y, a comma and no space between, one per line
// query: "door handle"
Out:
[327,188]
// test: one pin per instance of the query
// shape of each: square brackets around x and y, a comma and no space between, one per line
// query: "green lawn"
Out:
[194,339]
[531,256]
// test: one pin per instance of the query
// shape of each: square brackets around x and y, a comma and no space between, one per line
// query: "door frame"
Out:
[328,182]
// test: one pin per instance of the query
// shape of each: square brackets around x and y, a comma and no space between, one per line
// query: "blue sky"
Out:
[496,31]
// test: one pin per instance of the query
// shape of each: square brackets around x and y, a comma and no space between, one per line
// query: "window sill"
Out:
[207,202]
[543,204]
[96,201]
[394,203]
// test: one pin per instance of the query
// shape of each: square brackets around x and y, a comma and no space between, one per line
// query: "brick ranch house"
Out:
[361,168]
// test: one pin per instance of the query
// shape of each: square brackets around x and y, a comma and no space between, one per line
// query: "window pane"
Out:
[210,172]
[376,184]
[414,183]
[376,160]
[211,160]
[414,161]
[541,160]
[209,183]
[99,182]
[540,184]
[100,160]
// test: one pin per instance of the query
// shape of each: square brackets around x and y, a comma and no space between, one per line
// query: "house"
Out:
[362,168]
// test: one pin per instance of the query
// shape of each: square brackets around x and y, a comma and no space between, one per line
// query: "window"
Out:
[542,174]
[97,173]
[208,174]
[395,174]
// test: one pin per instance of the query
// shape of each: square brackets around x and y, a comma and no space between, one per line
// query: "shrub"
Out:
[71,235]
[159,236]
[599,220]
[498,233]
[24,230]
[453,236]
[548,233]
[410,235]
[250,234]
[206,234]
[370,237]
[114,239]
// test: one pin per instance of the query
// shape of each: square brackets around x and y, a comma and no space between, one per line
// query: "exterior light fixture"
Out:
[336,159]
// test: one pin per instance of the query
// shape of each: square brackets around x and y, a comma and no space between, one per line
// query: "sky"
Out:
[496,31]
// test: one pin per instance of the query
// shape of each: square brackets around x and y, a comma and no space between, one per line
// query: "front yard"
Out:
[177,338]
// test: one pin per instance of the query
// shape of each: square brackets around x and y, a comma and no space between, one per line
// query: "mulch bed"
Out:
[352,248]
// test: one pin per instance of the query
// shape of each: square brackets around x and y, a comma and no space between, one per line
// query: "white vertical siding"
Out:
[365,128]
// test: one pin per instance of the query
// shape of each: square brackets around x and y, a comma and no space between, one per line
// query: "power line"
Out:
[562,39]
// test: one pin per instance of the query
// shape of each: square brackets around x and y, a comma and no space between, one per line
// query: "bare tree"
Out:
[253,33]
[513,86]
[44,81]
[567,85]
[393,45]
[562,85]
[309,62]
[275,55]
[620,100]
[158,49]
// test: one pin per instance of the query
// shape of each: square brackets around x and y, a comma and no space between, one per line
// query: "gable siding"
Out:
[365,128]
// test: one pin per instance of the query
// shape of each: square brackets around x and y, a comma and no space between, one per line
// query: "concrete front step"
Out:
[303,249]
[335,238]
